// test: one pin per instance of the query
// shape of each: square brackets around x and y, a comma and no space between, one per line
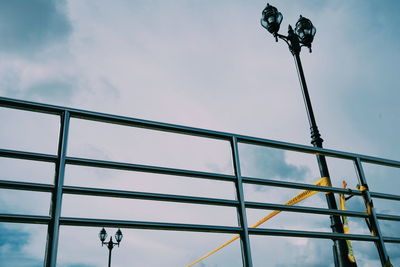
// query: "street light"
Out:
[302,36]
[110,244]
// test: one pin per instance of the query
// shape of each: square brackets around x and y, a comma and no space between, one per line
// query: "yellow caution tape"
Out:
[368,207]
[324,181]
[369,210]
[362,188]
[346,229]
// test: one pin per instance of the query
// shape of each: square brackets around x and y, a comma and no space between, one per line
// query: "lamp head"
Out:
[305,30]
[118,236]
[103,235]
[271,19]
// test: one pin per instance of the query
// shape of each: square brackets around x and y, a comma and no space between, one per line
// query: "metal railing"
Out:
[54,220]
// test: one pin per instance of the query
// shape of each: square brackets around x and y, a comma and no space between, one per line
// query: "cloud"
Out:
[262,162]
[29,26]
[13,247]
[209,65]
[34,40]
[287,252]
[11,239]
[54,90]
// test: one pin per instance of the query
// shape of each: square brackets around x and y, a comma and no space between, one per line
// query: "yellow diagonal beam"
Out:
[346,229]
[324,181]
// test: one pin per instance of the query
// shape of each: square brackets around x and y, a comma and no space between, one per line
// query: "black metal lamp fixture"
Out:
[102,235]
[305,30]
[303,35]
[110,244]
[271,19]
[118,236]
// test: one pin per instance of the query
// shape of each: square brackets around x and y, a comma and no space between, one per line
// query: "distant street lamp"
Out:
[303,35]
[110,244]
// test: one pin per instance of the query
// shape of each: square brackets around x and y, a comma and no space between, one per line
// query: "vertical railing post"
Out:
[244,235]
[56,197]
[373,220]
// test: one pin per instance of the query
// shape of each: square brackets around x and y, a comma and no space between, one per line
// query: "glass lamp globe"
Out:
[103,235]
[305,30]
[118,236]
[271,19]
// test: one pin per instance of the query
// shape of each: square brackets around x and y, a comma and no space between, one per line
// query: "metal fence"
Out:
[54,220]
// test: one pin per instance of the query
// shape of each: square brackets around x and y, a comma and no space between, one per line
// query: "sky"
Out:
[207,64]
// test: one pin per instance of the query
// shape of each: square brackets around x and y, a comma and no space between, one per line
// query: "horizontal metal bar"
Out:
[388,217]
[148,196]
[385,196]
[309,210]
[83,114]
[148,225]
[391,239]
[315,150]
[6,153]
[30,106]
[108,118]
[215,229]
[19,218]
[269,182]
[33,219]
[146,124]
[26,186]
[147,168]
[310,234]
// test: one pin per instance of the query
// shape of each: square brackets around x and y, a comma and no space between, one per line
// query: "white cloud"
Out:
[207,65]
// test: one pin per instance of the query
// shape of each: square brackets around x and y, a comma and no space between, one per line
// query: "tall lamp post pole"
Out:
[110,244]
[302,36]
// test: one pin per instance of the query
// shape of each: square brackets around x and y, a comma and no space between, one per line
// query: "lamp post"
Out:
[110,244]
[302,36]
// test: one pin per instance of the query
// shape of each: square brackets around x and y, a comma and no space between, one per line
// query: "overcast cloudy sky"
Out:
[207,64]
